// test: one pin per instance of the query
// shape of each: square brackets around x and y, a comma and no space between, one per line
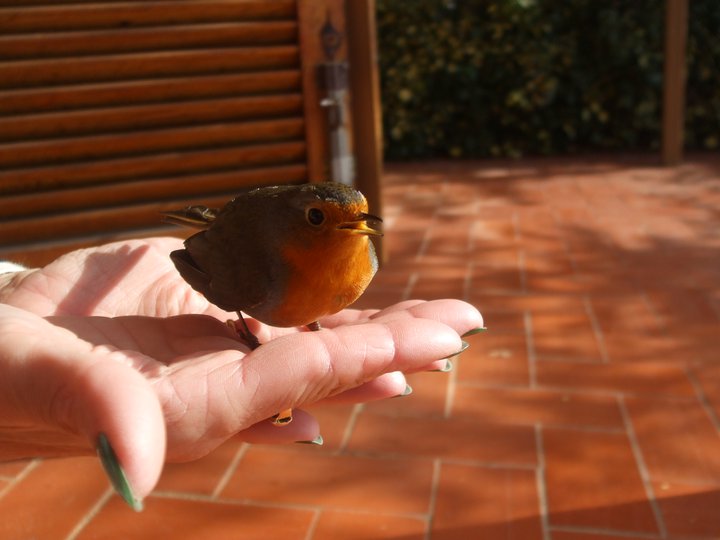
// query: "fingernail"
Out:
[317,441]
[446,368]
[408,390]
[464,347]
[474,331]
[115,473]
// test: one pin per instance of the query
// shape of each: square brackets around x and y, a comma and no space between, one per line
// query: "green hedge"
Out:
[515,77]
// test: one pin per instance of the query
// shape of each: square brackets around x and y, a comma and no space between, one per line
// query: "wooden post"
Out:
[676,23]
[365,101]
[312,15]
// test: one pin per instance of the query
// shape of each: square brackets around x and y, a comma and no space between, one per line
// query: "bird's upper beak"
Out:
[360,225]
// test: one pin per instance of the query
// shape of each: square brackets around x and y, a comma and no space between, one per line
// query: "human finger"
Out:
[206,401]
[385,386]
[461,316]
[73,397]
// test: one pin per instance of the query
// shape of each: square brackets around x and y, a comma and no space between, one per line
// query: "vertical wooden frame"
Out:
[312,15]
[673,125]
[365,102]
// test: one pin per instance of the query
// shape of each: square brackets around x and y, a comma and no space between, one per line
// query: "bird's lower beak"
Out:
[360,225]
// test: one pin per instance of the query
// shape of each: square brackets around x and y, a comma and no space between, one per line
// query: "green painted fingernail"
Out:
[446,368]
[115,473]
[474,331]
[316,441]
[408,390]
[464,347]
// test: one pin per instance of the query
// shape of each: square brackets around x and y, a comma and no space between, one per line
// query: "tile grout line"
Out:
[579,390]
[350,427]
[473,230]
[230,470]
[642,466]
[702,398]
[19,477]
[562,228]
[470,248]
[451,385]
[390,456]
[467,280]
[90,515]
[597,329]
[541,483]
[427,236]
[450,388]
[530,347]
[409,286]
[714,306]
[522,271]
[651,307]
[312,528]
[515,220]
[575,529]
[432,504]
[574,360]
[273,504]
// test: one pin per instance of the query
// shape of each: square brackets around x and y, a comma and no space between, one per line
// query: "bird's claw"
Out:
[283,418]
[247,336]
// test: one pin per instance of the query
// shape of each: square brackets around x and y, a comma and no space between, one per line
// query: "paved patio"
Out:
[590,410]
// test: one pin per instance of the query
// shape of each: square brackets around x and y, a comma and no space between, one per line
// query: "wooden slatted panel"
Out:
[113,111]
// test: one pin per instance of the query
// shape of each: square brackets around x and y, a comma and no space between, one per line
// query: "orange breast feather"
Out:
[325,278]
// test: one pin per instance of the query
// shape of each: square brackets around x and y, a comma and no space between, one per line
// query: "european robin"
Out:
[284,255]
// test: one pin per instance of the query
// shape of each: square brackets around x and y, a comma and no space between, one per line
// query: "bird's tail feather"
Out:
[199,217]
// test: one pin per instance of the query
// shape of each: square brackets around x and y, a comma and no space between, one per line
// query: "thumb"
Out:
[116,408]
[72,396]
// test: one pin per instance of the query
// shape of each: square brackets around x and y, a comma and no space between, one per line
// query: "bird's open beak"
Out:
[360,225]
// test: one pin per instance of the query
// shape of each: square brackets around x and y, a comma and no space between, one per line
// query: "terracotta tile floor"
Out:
[590,410]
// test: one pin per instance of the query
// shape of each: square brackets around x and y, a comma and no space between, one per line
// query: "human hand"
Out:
[131,277]
[184,381]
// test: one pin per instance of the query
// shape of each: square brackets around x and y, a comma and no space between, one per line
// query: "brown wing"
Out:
[199,217]
[190,271]
[228,262]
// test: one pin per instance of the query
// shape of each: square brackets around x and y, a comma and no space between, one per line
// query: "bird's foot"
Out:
[283,418]
[246,335]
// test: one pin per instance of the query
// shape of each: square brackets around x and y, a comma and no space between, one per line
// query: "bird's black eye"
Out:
[315,216]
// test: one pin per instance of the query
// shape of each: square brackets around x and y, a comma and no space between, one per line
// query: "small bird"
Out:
[284,255]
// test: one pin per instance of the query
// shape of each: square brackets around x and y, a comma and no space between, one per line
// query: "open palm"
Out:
[111,340]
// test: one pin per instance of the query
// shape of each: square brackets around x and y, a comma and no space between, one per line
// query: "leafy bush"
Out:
[515,77]
[702,123]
